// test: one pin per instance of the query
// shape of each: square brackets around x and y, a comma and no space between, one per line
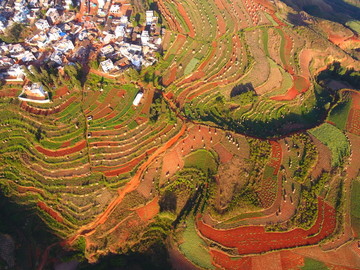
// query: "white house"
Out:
[15,71]
[114,8]
[107,65]
[52,15]
[107,49]
[138,98]
[42,24]
[150,18]
[119,31]
[64,46]
[145,37]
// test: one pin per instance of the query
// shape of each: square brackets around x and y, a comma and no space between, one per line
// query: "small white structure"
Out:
[119,31]
[138,98]
[34,93]
[64,46]
[145,37]
[150,18]
[107,65]
[42,24]
[108,49]
[115,8]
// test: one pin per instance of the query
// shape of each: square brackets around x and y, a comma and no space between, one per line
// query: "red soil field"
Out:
[127,167]
[353,121]
[61,92]
[63,152]
[178,43]
[121,93]
[300,85]
[150,210]
[223,153]
[173,23]
[187,19]
[276,156]
[290,260]
[104,112]
[222,26]
[254,239]
[57,109]
[171,76]
[23,189]
[9,92]
[222,260]
[219,4]
[65,144]
[50,211]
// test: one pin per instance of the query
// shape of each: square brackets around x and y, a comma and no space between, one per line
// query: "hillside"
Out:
[242,151]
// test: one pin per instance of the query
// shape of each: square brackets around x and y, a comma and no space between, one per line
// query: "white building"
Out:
[137,99]
[108,49]
[114,8]
[15,71]
[119,31]
[107,65]
[64,46]
[42,24]
[145,37]
[150,18]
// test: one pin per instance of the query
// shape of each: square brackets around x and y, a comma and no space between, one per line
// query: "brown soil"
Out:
[324,158]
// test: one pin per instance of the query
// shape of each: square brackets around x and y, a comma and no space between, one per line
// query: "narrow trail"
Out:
[130,186]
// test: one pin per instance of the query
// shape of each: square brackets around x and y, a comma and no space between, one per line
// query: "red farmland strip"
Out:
[187,19]
[63,152]
[127,167]
[50,211]
[225,262]
[254,239]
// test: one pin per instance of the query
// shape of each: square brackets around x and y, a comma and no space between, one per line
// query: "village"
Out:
[102,34]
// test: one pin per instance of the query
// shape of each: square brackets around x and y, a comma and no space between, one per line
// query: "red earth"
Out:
[50,211]
[63,152]
[254,239]
[149,211]
[300,85]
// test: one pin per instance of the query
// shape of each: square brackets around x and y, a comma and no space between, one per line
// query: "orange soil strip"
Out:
[111,115]
[102,74]
[65,144]
[290,260]
[171,20]
[37,111]
[61,92]
[180,40]
[148,101]
[23,189]
[63,152]
[121,93]
[300,85]
[129,187]
[222,26]
[9,92]
[187,19]
[127,167]
[171,76]
[50,211]
[219,4]
[149,211]
[104,112]
[223,153]
[223,261]
[199,73]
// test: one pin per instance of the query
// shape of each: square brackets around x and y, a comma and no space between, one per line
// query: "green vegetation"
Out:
[202,160]
[333,138]
[191,66]
[354,25]
[311,264]
[339,114]
[17,33]
[194,248]
[355,205]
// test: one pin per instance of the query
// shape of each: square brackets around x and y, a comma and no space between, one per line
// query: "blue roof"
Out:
[62,34]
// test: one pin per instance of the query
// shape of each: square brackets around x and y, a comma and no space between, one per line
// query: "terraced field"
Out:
[217,155]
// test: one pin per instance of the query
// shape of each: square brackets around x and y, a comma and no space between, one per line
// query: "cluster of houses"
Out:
[63,32]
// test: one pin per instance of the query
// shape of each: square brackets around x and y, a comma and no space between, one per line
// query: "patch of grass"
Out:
[355,206]
[311,264]
[203,160]
[354,25]
[339,114]
[194,248]
[191,66]
[336,140]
